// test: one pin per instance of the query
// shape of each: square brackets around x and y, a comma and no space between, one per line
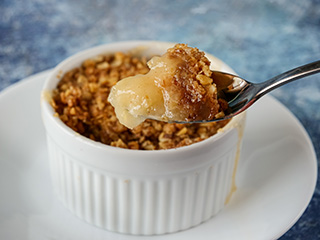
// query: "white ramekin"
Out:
[133,191]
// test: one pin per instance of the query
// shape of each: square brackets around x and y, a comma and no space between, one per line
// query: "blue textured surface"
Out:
[259,39]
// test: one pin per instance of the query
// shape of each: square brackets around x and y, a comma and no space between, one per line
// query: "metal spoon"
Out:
[241,94]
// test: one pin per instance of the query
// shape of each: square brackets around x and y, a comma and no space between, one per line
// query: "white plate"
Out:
[276,177]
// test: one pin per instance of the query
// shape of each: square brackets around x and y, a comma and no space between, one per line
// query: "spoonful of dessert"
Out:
[180,87]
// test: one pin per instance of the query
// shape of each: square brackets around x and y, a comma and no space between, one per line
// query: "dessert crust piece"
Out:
[190,93]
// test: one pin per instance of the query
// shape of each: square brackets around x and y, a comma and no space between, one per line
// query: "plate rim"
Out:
[314,163]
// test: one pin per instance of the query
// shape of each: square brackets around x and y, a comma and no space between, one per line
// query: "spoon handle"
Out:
[289,76]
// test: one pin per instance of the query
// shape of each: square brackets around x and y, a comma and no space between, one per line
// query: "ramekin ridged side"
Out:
[141,204]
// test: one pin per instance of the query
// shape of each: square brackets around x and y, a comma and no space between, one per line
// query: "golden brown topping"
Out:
[196,95]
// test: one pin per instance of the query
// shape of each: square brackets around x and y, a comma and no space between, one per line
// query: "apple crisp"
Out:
[178,87]
[81,102]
